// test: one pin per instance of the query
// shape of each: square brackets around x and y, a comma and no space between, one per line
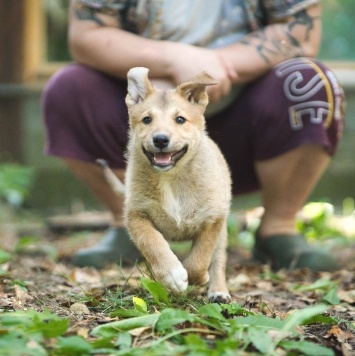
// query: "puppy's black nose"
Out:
[161,141]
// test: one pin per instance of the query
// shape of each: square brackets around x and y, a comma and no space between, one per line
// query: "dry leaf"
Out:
[79,309]
[139,331]
[86,275]
[347,296]
[21,295]
[264,285]
[83,332]
[340,335]
[239,280]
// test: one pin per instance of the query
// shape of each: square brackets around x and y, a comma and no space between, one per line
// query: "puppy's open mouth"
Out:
[164,160]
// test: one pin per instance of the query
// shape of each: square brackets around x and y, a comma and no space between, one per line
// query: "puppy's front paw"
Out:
[175,280]
[219,297]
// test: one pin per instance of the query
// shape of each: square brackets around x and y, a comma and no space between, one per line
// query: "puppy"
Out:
[177,185]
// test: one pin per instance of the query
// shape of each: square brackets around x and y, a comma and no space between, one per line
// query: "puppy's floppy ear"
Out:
[139,86]
[195,89]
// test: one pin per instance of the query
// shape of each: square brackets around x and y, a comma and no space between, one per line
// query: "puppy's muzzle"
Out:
[161,157]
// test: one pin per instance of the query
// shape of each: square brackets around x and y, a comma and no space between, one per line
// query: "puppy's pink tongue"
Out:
[162,158]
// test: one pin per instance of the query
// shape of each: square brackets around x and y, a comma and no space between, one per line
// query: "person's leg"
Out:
[286,182]
[91,174]
[278,137]
[86,119]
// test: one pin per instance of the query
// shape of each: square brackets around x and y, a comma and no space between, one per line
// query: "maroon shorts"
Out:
[298,102]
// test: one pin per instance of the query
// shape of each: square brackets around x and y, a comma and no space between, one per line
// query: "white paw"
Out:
[176,280]
[219,297]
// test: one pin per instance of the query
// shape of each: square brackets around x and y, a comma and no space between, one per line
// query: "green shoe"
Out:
[115,247]
[291,252]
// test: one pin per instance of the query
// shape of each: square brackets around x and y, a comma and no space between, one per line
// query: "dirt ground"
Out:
[42,266]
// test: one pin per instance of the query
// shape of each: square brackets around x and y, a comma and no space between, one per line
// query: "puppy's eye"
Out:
[147,120]
[180,120]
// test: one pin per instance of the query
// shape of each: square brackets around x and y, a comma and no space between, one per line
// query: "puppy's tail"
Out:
[111,178]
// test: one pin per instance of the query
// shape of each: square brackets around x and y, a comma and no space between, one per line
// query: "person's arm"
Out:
[297,36]
[96,40]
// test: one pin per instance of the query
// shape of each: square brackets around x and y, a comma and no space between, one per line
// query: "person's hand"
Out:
[187,61]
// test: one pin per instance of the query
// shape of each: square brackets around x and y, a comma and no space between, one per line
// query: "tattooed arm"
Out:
[299,35]
[97,40]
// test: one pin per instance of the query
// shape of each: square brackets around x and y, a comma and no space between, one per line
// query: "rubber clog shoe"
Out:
[115,247]
[291,252]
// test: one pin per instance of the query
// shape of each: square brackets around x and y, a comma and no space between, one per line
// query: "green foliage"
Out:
[157,291]
[45,324]
[231,328]
[209,329]
[338,37]
[4,256]
[325,286]
[72,345]
[15,182]
[112,329]
[171,317]
[306,348]
[314,223]
[24,333]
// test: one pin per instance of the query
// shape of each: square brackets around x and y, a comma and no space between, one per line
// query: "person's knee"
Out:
[307,79]
[300,101]
[63,87]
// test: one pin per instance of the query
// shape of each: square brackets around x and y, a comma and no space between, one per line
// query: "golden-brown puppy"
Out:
[178,185]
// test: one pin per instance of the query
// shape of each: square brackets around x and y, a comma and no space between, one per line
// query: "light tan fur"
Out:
[186,200]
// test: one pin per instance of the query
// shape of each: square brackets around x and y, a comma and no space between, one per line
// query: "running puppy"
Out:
[178,184]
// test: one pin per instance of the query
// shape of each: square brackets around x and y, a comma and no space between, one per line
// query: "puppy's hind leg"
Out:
[218,291]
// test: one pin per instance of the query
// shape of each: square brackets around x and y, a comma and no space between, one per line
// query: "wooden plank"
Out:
[22,32]
[34,39]
[11,40]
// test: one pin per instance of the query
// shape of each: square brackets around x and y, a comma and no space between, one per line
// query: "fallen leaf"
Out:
[86,275]
[79,309]
[83,332]
[347,350]
[264,285]
[139,331]
[21,295]
[240,280]
[339,334]
[347,296]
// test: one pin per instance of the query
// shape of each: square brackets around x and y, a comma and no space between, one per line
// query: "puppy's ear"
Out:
[195,89]
[139,86]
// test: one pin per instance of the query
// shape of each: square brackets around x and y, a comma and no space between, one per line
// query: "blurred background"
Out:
[33,45]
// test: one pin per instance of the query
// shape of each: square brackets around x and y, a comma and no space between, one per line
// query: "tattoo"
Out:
[278,41]
[85,13]
[302,18]
[264,47]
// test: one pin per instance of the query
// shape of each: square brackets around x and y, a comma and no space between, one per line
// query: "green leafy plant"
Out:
[210,329]
[326,287]
[15,182]
[192,328]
